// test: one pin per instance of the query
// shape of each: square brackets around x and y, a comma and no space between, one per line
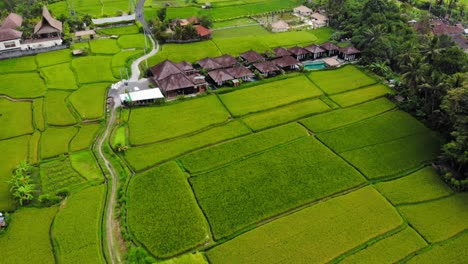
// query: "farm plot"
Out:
[58,174]
[55,141]
[236,46]
[361,95]
[38,113]
[285,114]
[34,147]
[148,155]
[419,186]
[452,251]
[234,23]
[85,137]
[440,219]
[394,157]
[340,80]
[246,192]
[153,198]
[133,41]
[234,150]
[122,58]
[375,130]
[76,228]
[22,85]
[56,109]
[89,100]
[93,69]
[389,250]
[343,117]
[104,46]
[27,237]
[292,38]
[119,137]
[314,234]
[86,165]
[17,149]
[15,118]
[53,57]
[21,64]
[190,52]
[59,77]
[125,30]
[269,95]
[152,124]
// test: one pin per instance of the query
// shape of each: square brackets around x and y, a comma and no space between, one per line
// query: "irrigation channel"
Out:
[112,234]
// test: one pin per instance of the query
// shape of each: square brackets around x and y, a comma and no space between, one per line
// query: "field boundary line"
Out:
[357,88]
[52,240]
[426,201]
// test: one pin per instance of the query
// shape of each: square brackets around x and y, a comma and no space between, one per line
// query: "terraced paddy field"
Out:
[52,107]
[291,176]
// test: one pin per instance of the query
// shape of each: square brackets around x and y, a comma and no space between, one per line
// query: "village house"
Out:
[319,20]
[267,68]
[203,32]
[302,10]
[449,30]
[315,50]
[299,53]
[240,72]
[220,76]
[330,48]
[349,53]
[461,42]
[177,79]
[226,61]
[287,63]
[251,56]
[48,27]
[280,52]
[208,64]
[10,37]
[279,26]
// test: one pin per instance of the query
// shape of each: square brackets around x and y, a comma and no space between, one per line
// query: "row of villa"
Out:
[47,33]
[184,78]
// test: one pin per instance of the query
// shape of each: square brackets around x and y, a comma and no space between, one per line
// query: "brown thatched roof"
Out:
[10,34]
[349,50]
[266,67]
[48,24]
[12,21]
[164,69]
[175,82]
[298,51]
[209,64]
[329,46]
[286,61]
[314,48]
[184,66]
[220,76]
[252,56]
[280,52]
[226,60]
[240,72]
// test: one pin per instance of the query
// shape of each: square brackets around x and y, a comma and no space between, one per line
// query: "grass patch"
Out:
[59,76]
[89,100]
[86,165]
[343,117]
[121,59]
[55,141]
[21,64]
[148,155]
[119,137]
[254,30]
[104,46]
[389,250]
[285,114]
[190,52]
[124,30]
[58,174]
[452,251]
[174,120]
[314,234]
[361,95]
[238,196]
[53,57]
[386,127]
[420,186]
[27,237]
[38,112]
[17,149]
[76,227]
[22,85]
[152,218]
[238,45]
[239,148]
[269,95]
[340,80]
[132,41]
[323,34]
[15,118]
[56,108]
[85,137]
[393,157]
[93,69]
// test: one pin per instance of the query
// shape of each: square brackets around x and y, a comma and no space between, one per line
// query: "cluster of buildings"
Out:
[47,33]
[308,17]
[184,78]
[203,32]
[438,28]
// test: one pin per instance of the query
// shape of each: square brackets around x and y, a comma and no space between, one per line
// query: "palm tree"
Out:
[432,49]
[434,88]
[414,74]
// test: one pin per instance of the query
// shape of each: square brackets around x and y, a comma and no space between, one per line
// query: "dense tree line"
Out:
[430,71]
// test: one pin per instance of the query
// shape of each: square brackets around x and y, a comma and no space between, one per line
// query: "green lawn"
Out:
[340,80]
[55,141]
[56,109]
[269,95]
[152,124]
[22,85]
[314,234]
[191,52]
[15,118]
[89,100]
[93,69]
[59,76]
[76,228]
[153,196]
[239,195]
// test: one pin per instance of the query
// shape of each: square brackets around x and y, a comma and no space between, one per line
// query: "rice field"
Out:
[55,141]
[85,136]
[22,85]
[58,174]
[59,76]
[53,58]
[89,100]
[93,69]
[361,95]
[104,46]
[15,118]
[85,164]
[56,109]
[340,80]
[21,64]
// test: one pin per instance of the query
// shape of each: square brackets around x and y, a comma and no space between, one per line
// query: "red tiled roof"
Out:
[298,51]
[48,24]
[164,69]
[175,82]
[280,52]
[286,61]
[444,29]
[266,67]
[314,48]
[226,60]
[10,34]
[349,50]
[240,72]
[252,56]
[329,46]
[209,64]
[220,76]
[12,21]
[202,31]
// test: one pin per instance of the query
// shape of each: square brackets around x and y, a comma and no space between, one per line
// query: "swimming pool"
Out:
[314,65]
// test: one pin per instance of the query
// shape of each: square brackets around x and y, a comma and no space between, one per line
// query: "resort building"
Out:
[10,37]
[281,52]
[315,51]
[251,56]
[220,77]
[48,27]
[279,26]
[143,97]
[240,72]
[267,68]
[299,53]
[349,53]
[302,10]
[209,64]
[330,48]
[287,63]
[319,20]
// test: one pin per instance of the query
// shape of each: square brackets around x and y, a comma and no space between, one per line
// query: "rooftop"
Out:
[148,94]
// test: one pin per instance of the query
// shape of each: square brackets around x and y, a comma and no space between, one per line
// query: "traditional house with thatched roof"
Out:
[349,53]
[299,53]
[226,61]
[267,68]
[315,50]
[240,72]
[209,64]
[220,76]
[281,52]
[10,37]
[287,62]
[330,48]
[302,10]
[251,56]
[48,27]
[279,26]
